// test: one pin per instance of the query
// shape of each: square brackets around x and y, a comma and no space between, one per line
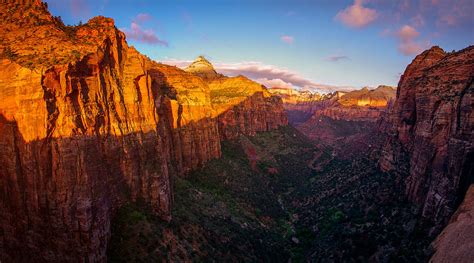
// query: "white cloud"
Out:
[274,83]
[268,75]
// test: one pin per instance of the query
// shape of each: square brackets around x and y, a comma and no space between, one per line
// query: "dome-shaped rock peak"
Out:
[203,68]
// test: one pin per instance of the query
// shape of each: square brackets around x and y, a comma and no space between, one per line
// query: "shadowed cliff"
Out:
[431,126]
[88,123]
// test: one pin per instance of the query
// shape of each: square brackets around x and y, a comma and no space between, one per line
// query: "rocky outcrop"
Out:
[256,109]
[431,127]
[350,113]
[203,68]
[304,107]
[378,97]
[358,105]
[347,118]
[298,100]
[299,104]
[241,106]
[87,124]
[456,242]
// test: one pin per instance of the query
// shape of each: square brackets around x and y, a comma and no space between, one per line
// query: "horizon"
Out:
[301,44]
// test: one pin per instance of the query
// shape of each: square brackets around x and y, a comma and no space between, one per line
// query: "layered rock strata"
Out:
[430,131]
[256,109]
[87,124]
[456,242]
[348,116]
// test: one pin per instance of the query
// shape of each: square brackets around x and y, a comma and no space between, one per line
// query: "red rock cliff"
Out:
[240,105]
[456,242]
[430,131]
[255,108]
[86,124]
[348,117]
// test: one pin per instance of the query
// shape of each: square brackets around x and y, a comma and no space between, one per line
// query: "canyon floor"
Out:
[275,197]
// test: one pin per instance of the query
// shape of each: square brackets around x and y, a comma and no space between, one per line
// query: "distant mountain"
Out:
[203,68]
[378,97]
[363,104]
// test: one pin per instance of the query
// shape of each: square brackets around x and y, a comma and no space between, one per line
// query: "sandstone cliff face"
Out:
[240,105]
[86,124]
[256,109]
[456,242]
[295,100]
[431,127]
[299,105]
[379,97]
[357,105]
[347,118]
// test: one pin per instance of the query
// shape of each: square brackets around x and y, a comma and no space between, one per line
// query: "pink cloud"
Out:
[408,45]
[142,17]
[287,39]
[268,75]
[356,15]
[146,36]
[407,33]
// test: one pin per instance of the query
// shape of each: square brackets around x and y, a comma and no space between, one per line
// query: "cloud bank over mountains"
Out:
[268,75]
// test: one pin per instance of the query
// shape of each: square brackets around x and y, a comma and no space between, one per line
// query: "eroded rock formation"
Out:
[357,105]
[348,116]
[299,105]
[430,131]
[88,123]
[256,110]
[456,242]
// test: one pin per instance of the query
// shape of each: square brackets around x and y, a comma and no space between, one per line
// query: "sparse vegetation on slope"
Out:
[264,200]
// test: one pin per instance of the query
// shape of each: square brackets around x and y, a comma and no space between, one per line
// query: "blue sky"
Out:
[295,43]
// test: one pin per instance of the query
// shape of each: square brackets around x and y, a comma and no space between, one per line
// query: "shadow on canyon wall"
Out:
[58,195]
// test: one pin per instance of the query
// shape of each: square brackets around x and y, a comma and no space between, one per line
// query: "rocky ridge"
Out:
[347,116]
[246,94]
[357,105]
[430,131]
[299,104]
[88,123]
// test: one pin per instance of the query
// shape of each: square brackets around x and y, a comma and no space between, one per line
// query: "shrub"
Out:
[10,54]
[76,54]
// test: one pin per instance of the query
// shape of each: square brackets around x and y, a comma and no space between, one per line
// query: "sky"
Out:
[322,45]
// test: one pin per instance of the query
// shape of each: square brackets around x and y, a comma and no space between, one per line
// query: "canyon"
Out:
[107,155]
[91,123]
[342,120]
